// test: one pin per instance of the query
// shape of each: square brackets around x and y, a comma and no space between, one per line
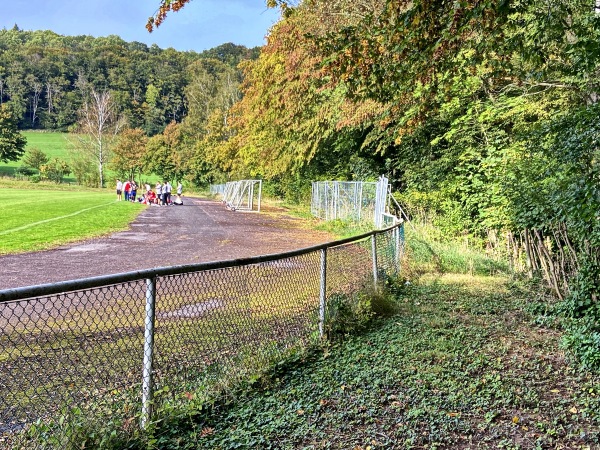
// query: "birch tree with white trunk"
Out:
[97,128]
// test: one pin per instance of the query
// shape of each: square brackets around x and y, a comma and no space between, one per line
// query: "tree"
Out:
[35,158]
[128,152]
[167,6]
[163,153]
[12,143]
[98,127]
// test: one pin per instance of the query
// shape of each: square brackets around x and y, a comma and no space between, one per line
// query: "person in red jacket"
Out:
[127,189]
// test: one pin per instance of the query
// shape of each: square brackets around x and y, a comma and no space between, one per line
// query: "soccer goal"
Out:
[243,195]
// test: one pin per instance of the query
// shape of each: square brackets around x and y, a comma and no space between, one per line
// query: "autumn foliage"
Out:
[165,7]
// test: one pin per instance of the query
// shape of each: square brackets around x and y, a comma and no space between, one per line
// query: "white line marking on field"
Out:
[29,225]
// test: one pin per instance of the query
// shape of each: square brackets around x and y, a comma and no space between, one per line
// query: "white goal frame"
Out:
[243,195]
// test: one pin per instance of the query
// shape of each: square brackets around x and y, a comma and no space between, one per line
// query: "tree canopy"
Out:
[40,72]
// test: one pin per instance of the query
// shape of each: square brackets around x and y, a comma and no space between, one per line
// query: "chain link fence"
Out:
[107,345]
[359,201]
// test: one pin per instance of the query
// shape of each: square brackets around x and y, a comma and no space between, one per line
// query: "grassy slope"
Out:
[37,216]
[467,363]
[56,145]
[53,144]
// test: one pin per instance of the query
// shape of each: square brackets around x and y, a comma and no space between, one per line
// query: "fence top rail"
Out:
[26,292]
[345,182]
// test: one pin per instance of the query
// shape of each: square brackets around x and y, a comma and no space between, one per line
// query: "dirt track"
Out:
[199,231]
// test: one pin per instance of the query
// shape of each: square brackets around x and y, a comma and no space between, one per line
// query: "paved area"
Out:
[199,231]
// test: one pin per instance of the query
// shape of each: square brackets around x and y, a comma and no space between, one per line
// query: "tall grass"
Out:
[428,251]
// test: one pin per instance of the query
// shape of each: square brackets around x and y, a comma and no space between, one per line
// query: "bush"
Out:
[348,314]
[55,170]
[35,158]
[25,171]
[582,312]
[582,339]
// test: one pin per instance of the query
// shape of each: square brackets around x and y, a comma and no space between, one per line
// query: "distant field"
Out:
[55,145]
[35,219]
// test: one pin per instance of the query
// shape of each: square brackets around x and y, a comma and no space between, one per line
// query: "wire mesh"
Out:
[358,201]
[223,317]
[66,349]
[81,348]
[217,189]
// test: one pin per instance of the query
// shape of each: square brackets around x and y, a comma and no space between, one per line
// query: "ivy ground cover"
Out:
[470,362]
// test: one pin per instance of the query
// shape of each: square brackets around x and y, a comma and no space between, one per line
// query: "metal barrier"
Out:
[350,200]
[112,341]
[242,195]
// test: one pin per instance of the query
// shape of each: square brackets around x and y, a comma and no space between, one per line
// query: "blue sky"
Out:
[200,25]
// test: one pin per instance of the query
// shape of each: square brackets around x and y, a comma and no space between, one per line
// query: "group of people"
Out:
[160,196]
[128,189]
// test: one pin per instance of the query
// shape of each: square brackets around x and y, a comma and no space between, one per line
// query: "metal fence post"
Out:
[251,196]
[259,193]
[374,251]
[336,199]
[323,291]
[147,381]
[397,242]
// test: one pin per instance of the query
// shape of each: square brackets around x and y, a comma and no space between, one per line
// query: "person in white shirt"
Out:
[119,190]
[159,192]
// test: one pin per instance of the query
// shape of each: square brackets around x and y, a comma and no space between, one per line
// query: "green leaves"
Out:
[12,143]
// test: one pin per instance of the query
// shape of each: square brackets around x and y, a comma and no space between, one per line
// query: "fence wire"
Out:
[358,201]
[85,348]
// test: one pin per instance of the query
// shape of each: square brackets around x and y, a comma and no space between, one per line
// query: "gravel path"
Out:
[199,231]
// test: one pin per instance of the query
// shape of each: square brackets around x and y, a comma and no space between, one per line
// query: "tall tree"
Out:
[128,152]
[163,153]
[98,127]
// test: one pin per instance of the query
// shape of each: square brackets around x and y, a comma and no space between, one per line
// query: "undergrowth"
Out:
[461,365]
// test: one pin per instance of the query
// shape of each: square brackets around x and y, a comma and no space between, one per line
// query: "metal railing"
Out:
[114,340]
[350,200]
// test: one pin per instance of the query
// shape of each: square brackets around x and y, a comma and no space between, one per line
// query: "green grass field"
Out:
[57,145]
[36,219]
[53,144]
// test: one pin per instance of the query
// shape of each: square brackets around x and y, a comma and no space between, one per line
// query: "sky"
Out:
[200,25]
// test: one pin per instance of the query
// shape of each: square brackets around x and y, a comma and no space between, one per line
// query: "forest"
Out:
[483,114]
[41,74]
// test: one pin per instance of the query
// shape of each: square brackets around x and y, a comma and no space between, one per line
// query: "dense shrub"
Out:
[24,171]
[348,314]
[581,310]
